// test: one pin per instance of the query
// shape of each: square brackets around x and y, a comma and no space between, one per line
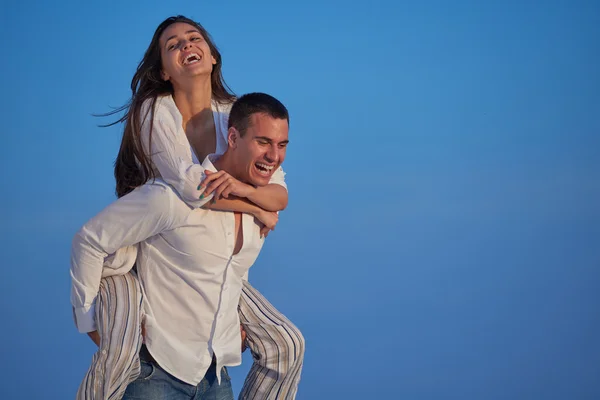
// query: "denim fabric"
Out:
[154,383]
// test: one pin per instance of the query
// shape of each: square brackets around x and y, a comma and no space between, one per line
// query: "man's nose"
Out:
[273,154]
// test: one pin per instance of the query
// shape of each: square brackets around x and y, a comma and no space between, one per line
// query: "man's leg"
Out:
[154,383]
[277,348]
[118,317]
[210,389]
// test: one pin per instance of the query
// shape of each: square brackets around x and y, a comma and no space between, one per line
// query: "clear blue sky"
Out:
[442,239]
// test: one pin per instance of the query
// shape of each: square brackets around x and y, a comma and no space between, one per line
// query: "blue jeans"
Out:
[154,383]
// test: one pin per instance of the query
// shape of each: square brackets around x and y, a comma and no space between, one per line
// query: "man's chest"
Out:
[207,242]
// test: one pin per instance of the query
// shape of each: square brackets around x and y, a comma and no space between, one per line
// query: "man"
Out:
[191,262]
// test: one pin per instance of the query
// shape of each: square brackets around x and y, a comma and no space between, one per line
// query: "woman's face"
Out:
[184,53]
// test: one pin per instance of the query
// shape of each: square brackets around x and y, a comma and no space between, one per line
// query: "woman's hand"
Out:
[224,185]
[267,220]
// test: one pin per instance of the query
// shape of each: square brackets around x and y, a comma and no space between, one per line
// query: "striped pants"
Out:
[277,346]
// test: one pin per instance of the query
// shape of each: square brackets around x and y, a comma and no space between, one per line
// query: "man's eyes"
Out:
[266,143]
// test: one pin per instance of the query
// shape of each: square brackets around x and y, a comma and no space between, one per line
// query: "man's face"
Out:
[261,150]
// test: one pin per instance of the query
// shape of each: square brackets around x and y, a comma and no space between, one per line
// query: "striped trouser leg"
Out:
[118,317]
[277,347]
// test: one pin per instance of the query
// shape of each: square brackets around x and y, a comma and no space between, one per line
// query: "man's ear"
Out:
[232,137]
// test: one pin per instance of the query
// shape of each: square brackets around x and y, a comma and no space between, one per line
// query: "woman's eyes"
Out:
[192,39]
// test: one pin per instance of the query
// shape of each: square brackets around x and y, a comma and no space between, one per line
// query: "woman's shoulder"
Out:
[164,108]
[222,107]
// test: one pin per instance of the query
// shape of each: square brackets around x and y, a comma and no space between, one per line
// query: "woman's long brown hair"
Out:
[133,167]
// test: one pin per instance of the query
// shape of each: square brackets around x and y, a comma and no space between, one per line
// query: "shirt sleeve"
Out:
[145,212]
[278,178]
[172,156]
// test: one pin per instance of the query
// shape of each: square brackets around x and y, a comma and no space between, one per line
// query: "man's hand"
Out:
[95,336]
[243,333]
[267,221]
[224,185]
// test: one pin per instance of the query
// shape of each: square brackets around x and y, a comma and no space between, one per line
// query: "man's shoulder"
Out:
[158,198]
[158,192]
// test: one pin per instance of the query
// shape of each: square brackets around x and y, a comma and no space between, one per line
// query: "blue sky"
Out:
[442,239]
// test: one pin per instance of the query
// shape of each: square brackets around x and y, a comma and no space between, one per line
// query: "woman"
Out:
[177,115]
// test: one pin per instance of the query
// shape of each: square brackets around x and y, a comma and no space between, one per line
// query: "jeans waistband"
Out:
[146,356]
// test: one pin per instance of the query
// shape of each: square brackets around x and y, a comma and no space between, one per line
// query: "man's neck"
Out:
[227,164]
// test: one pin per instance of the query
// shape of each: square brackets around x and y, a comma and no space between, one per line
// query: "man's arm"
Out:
[143,213]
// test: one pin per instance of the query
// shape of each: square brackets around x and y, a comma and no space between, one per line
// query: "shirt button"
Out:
[220,315]
[103,351]
[228,233]
[225,287]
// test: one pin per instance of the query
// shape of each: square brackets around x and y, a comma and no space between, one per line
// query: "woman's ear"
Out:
[164,75]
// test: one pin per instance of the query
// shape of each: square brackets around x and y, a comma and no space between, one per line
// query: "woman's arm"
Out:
[268,219]
[171,154]
[272,197]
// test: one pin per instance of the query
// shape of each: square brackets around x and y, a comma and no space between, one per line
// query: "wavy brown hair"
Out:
[133,167]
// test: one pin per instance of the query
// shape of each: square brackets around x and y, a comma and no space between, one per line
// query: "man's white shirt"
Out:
[190,278]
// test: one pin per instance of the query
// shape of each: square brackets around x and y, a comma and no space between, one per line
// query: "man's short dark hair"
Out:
[253,103]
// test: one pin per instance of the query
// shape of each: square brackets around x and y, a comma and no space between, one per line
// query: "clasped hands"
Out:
[224,185]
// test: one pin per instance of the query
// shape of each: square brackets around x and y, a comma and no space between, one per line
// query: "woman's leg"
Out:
[118,317]
[277,348]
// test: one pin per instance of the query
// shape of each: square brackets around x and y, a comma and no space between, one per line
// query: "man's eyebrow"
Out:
[174,36]
[270,140]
